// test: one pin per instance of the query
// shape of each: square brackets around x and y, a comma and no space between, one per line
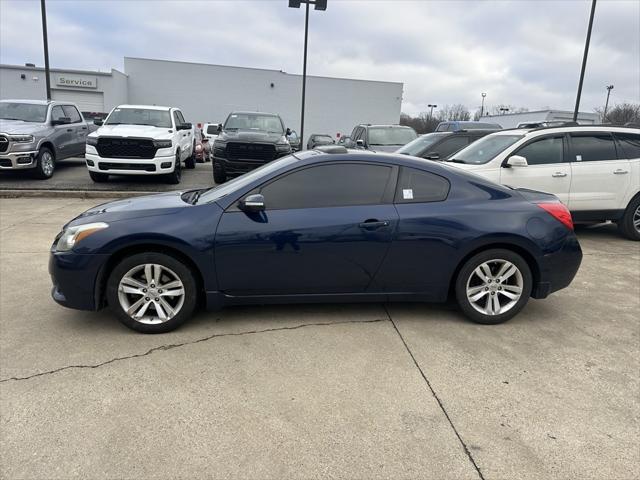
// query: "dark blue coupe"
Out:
[316,227]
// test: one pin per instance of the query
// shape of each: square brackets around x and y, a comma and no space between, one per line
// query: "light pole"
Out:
[431,111]
[482,106]
[317,5]
[604,114]
[584,60]
[43,10]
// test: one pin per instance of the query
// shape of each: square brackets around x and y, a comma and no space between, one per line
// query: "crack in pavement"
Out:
[192,342]
[435,395]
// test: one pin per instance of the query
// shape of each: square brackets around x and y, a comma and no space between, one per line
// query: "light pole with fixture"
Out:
[604,114]
[584,60]
[45,41]
[317,5]
[482,107]
[431,111]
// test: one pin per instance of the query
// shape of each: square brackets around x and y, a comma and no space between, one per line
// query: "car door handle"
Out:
[373,224]
[69,129]
[558,174]
[84,128]
[620,172]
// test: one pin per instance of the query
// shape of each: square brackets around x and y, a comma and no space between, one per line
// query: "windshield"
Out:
[485,149]
[216,193]
[418,146]
[139,116]
[391,136]
[254,121]
[26,112]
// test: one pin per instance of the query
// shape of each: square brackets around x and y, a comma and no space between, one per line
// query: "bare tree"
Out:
[621,113]
[454,112]
[423,123]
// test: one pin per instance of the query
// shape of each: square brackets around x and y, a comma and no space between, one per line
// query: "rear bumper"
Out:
[558,269]
[75,277]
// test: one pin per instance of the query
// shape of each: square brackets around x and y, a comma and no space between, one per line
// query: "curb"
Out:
[18,193]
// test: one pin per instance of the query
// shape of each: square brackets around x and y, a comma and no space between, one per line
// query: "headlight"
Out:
[22,138]
[73,235]
[162,143]
[93,141]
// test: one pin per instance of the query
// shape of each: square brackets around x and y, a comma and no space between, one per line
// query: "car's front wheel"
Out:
[152,292]
[45,164]
[629,225]
[175,176]
[493,286]
[219,173]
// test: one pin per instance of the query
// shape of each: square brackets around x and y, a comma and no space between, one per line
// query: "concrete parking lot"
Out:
[332,391]
[72,174]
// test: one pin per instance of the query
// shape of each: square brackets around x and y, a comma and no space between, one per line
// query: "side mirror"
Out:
[516,161]
[288,132]
[61,121]
[252,203]
[360,143]
[219,127]
[432,156]
[184,126]
[98,121]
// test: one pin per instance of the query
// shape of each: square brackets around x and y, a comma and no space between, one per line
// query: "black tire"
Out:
[175,176]
[182,271]
[99,177]
[493,288]
[632,213]
[45,164]
[219,173]
[190,162]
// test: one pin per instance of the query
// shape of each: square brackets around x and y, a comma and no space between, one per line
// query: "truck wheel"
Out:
[629,225]
[191,161]
[99,177]
[175,176]
[219,174]
[45,164]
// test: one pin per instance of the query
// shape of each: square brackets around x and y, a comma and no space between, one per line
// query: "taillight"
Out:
[558,211]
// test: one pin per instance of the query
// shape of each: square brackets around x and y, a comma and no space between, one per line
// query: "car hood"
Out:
[249,136]
[16,126]
[135,207]
[146,131]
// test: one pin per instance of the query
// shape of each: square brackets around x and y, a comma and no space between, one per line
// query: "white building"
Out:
[511,120]
[207,93]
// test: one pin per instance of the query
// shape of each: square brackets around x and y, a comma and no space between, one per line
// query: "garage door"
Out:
[86,101]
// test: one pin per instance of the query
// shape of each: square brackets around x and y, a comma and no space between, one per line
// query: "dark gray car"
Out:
[317,139]
[381,138]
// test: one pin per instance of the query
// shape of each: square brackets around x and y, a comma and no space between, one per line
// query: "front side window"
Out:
[485,149]
[420,144]
[333,185]
[212,129]
[254,121]
[180,117]
[630,143]
[24,112]
[139,116]
[71,112]
[543,151]
[417,186]
[391,136]
[57,113]
[592,147]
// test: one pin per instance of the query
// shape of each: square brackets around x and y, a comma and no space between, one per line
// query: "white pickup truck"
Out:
[141,140]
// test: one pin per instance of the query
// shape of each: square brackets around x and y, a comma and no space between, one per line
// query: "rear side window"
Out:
[333,185]
[417,186]
[544,151]
[592,147]
[630,143]
[71,112]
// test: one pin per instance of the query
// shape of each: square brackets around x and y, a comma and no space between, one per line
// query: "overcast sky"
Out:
[520,52]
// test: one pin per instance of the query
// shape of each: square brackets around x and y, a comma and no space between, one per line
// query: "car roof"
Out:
[245,112]
[146,107]
[32,102]
[565,129]
[383,125]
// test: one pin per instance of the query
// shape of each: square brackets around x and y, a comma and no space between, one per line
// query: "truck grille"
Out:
[251,151]
[4,143]
[109,147]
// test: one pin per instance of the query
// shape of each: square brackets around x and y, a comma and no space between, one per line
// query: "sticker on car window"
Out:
[407,193]
[578,158]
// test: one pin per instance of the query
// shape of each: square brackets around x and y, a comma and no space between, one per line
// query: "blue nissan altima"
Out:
[317,227]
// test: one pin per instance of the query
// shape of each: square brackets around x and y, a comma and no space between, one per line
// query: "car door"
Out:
[600,178]
[326,229]
[187,135]
[546,171]
[181,134]
[63,135]
[80,130]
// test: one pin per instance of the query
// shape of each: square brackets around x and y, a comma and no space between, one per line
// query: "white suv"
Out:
[594,170]
[141,140]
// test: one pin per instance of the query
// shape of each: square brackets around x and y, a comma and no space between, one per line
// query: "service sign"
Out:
[79,81]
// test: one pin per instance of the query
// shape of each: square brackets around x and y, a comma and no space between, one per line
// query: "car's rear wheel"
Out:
[152,292]
[493,286]
[629,226]
[45,164]
[219,173]
[99,177]
[191,161]
[175,176]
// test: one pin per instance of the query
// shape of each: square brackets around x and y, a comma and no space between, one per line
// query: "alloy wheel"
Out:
[151,293]
[46,160]
[494,287]
[636,219]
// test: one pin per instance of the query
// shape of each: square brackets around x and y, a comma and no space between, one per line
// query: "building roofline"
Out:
[61,70]
[261,69]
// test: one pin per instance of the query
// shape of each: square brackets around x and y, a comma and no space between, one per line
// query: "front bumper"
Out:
[158,165]
[238,167]
[77,279]
[558,269]
[18,160]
